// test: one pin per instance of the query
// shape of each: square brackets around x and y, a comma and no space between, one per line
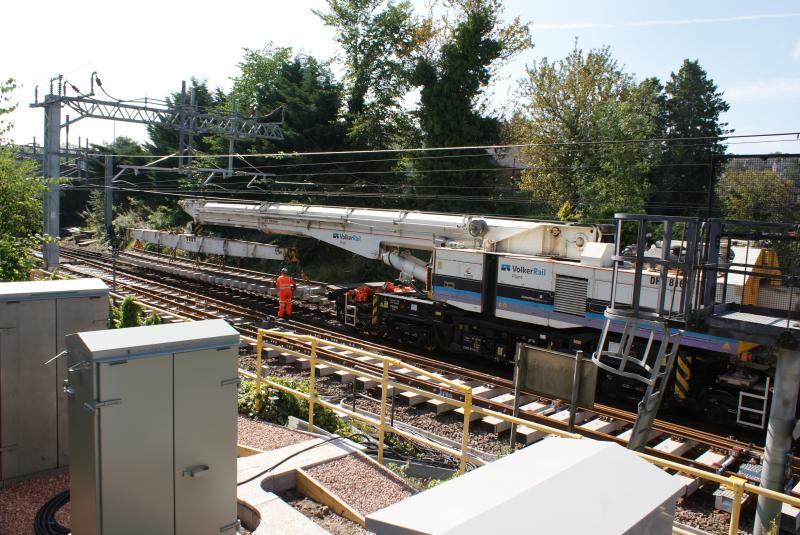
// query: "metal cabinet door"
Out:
[136,463]
[205,442]
[28,389]
[76,314]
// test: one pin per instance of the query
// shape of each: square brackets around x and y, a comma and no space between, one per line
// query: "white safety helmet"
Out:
[284,270]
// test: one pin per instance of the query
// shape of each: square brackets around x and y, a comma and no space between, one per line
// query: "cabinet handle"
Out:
[196,471]
[234,381]
[93,405]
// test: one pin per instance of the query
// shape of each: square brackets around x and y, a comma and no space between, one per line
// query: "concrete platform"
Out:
[273,516]
[302,363]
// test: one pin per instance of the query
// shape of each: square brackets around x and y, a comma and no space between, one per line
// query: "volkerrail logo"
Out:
[345,236]
[522,270]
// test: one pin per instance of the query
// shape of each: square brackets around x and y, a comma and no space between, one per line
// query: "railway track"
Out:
[196,300]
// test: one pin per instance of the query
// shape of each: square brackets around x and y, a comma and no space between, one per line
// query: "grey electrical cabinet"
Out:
[153,429]
[35,316]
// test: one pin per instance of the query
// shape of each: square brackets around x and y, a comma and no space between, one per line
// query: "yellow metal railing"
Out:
[736,484]
[384,380]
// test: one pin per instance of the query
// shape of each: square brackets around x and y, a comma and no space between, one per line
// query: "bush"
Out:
[129,314]
[277,406]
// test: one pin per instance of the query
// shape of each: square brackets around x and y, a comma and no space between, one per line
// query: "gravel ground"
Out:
[19,503]
[698,511]
[321,515]
[266,436]
[359,483]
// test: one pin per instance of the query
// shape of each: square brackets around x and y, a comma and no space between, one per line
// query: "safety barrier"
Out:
[310,351]
[736,484]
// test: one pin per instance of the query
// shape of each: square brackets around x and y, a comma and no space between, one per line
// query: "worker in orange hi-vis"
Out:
[285,285]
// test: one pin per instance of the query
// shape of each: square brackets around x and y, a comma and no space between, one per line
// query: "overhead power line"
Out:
[796,134]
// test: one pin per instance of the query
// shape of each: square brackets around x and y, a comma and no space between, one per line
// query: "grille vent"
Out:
[570,295]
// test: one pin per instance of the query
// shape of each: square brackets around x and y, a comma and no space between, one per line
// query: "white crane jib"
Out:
[380,234]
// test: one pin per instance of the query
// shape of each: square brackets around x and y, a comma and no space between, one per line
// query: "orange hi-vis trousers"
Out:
[284,302]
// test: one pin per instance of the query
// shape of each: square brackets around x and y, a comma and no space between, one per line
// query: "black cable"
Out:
[45,522]
[295,454]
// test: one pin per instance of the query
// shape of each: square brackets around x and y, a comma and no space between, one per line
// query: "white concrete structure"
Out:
[563,486]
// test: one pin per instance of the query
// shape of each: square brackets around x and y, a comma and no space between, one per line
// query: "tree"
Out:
[379,39]
[451,112]
[757,195]
[6,107]
[577,114]
[20,215]
[692,110]
[274,83]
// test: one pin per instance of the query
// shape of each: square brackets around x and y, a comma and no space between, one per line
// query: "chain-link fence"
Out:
[757,188]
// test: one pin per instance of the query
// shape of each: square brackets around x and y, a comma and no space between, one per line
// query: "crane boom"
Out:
[375,233]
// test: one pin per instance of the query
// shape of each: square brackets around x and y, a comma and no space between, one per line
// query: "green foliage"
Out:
[566,107]
[153,319]
[451,112]
[451,83]
[20,215]
[94,215]
[6,107]
[757,195]
[301,88]
[129,314]
[277,406]
[379,39]
[692,106]
[114,315]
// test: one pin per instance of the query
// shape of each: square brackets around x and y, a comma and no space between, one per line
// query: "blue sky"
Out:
[754,59]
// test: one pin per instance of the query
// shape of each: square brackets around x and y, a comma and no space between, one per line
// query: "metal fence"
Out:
[755,187]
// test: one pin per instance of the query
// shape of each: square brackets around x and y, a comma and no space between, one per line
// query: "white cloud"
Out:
[796,50]
[768,89]
[667,22]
